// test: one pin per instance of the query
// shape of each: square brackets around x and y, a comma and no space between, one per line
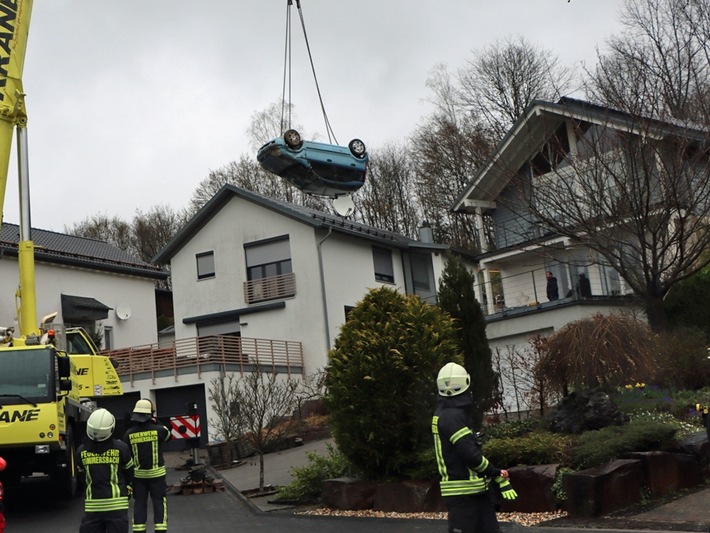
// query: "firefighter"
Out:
[3,464]
[108,466]
[465,472]
[146,440]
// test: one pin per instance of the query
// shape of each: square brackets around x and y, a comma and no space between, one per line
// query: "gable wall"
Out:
[348,272]
[110,289]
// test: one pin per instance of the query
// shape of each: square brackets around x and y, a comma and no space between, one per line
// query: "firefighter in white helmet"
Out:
[146,438]
[108,466]
[464,471]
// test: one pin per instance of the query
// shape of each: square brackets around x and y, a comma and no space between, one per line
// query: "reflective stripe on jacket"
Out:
[462,467]
[108,467]
[146,442]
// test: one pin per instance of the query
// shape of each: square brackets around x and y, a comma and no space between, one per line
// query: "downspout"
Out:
[322,288]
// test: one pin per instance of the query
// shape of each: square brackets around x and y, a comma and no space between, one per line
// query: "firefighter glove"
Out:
[506,489]
[130,491]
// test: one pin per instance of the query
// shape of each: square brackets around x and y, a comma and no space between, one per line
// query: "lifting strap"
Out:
[286,102]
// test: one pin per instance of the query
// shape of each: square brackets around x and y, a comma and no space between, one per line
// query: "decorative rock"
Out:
[534,487]
[408,497]
[348,494]
[603,489]
[664,472]
[586,410]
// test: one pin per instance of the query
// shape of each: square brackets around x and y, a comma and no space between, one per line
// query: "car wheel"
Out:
[357,148]
[293,139]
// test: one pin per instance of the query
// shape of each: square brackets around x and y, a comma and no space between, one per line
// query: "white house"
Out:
[550,145]
[89,283]
[258,279]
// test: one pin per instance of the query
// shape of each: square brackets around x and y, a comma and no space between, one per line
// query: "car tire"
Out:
[293,139]
[357,148]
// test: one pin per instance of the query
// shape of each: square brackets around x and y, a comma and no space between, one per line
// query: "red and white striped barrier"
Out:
[185,427]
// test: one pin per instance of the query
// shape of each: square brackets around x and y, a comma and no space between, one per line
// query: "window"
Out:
[108,338]
[419,276]
[382,258]
[205,265]
[268,258]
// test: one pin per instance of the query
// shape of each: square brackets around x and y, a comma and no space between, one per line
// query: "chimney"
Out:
[426,235]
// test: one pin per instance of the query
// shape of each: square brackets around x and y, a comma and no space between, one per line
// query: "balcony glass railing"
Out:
[524,290]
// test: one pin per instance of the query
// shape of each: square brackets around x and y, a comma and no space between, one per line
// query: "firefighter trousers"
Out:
[156,488]
[105,522]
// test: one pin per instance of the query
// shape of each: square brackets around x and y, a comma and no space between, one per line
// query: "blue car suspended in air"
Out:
[316,168]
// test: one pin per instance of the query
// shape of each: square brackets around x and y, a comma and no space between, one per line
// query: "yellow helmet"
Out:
[452,380]
[143,411]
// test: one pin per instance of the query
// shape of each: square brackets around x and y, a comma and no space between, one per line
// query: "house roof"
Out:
[304,215]
[69,250]
[537,124]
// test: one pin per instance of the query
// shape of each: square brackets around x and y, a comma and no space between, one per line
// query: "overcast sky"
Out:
[131,103]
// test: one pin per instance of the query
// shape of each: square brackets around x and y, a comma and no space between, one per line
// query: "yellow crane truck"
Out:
[50,378]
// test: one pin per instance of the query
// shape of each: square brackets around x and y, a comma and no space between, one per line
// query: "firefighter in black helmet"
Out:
[465,472]
[108,465]
[146,440]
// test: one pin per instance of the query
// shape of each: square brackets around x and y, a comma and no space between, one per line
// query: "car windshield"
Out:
[26,375]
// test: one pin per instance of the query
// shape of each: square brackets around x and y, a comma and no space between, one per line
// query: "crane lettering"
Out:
[19,416]
[8,16]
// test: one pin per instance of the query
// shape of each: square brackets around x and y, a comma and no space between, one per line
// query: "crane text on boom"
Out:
[8,16]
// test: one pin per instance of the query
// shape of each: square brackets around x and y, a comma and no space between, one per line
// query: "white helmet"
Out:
[100,425]
[452,380]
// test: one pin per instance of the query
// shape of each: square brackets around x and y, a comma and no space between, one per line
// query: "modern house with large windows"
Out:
[568,173]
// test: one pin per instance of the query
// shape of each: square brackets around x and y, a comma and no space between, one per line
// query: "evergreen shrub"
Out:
[381,381]
[535,448]
[594,448]
[308,479]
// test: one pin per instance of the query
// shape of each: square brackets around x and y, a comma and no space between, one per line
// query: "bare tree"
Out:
[387,200]
[504,78]
[660,65]
[143,238]
[104,228]
[472,111]
[258,406]
[224,402]
[153,229]
[447,149]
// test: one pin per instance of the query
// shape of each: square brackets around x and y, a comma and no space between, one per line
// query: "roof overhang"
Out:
[83,308]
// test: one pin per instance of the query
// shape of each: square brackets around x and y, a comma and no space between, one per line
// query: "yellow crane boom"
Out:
[14,28]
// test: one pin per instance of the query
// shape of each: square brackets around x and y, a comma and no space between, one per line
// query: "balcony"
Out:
[271,288]
[206,354]
[509,294]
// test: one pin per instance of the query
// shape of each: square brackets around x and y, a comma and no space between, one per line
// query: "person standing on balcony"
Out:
[146,440]
[584,287]
[553,292]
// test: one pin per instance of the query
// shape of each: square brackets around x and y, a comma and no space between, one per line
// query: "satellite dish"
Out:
[123,312]
[344,205]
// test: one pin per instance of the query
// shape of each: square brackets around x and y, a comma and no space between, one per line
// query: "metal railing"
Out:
[271,288]
[209,353]
[529,289]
